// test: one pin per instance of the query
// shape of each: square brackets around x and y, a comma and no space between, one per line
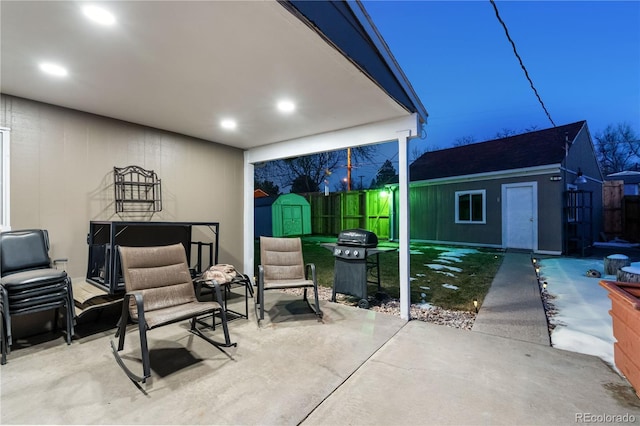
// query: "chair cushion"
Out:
[178,312]
[281,258]
[160,273]
[30,279]
[287,283]
[22,250]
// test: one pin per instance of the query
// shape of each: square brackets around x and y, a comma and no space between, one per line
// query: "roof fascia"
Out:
[593,148]
[383,48]
[359,43]
[502,174]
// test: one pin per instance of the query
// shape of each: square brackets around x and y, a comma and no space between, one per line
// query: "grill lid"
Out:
[358,238]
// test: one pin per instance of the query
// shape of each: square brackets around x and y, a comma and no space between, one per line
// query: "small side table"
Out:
[239,280]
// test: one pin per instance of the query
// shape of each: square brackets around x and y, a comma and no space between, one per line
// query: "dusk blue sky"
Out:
[583,58]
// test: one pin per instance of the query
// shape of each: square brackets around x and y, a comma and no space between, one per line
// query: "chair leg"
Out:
[261,297]
[70,314]
[144,347]
[142,327]
[317,299]
[3,342]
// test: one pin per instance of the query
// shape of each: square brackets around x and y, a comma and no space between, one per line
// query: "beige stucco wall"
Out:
[62,176]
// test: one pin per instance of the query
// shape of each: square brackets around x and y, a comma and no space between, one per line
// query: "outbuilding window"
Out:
[471,206]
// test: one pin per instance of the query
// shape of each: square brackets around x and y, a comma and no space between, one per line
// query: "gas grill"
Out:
[356,257]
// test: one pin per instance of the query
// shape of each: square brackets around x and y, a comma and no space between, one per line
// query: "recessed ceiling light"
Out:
[286,106]
[53,69]
[99,15]
[228,124]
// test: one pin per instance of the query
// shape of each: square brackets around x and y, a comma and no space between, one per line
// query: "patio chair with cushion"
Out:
[282,267]
[159,291]
[30,283]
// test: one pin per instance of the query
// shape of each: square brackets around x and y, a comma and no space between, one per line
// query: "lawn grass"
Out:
[477,270]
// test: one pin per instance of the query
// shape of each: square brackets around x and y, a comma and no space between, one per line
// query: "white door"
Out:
[519,216]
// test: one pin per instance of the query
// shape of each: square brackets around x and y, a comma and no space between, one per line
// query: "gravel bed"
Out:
[433,314]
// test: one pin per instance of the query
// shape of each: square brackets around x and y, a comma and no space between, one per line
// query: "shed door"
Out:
[519,216]
[292,220]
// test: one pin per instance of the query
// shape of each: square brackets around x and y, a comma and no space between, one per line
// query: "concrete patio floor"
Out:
[356,367]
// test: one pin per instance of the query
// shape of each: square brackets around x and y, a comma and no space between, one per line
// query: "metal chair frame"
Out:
[143,326]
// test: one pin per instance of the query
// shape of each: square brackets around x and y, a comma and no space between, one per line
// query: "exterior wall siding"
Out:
[432,212]
[62,176]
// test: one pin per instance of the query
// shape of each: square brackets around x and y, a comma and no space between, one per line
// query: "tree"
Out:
[304,184]
[386,173]
[312,170]
[617,148]
[464,140]
[505,133]
[267,186]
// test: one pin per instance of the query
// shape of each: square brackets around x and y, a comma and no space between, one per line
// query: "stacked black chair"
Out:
[4,315]
[30,283]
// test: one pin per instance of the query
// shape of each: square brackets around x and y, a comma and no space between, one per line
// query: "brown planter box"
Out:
[625,313]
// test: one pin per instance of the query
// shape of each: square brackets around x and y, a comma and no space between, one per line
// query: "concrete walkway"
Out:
[513,307]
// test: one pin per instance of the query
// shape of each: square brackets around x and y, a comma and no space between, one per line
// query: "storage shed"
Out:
[289,214]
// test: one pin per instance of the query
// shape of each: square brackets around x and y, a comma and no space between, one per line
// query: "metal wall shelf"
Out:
[137,190]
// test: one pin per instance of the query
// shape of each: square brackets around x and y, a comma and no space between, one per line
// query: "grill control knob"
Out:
[338,251]
[346,252]
[355,253]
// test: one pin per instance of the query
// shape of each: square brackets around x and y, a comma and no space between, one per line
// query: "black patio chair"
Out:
[3,326]
[30,282]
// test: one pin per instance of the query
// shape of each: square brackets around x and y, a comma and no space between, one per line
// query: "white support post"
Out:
[403,216]
[248,246]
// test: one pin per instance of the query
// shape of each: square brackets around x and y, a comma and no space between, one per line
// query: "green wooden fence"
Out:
[367,209]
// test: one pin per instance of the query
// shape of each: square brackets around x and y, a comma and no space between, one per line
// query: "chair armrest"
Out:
[137,295]
[216,288]
[61,260]
[312,267]
[260,275]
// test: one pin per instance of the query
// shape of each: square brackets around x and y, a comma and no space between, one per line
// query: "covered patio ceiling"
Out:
[186,66]
[189,66]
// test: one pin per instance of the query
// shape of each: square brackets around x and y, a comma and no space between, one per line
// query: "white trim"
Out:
[458,194]
[382,131]
[389,130]
[5,180]
[248,216]
[502,174]
[404,228]
[549,252]
[534,189]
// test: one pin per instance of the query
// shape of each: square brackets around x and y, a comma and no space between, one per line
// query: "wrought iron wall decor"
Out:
[137,190]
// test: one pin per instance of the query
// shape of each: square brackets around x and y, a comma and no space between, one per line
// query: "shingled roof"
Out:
[539,148]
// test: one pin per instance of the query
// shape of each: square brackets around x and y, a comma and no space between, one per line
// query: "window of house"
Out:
[471,206]
[4,179]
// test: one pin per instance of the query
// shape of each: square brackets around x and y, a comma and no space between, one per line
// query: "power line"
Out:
[526,73]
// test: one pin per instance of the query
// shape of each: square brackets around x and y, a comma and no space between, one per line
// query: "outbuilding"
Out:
[287,215]
[538,191]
